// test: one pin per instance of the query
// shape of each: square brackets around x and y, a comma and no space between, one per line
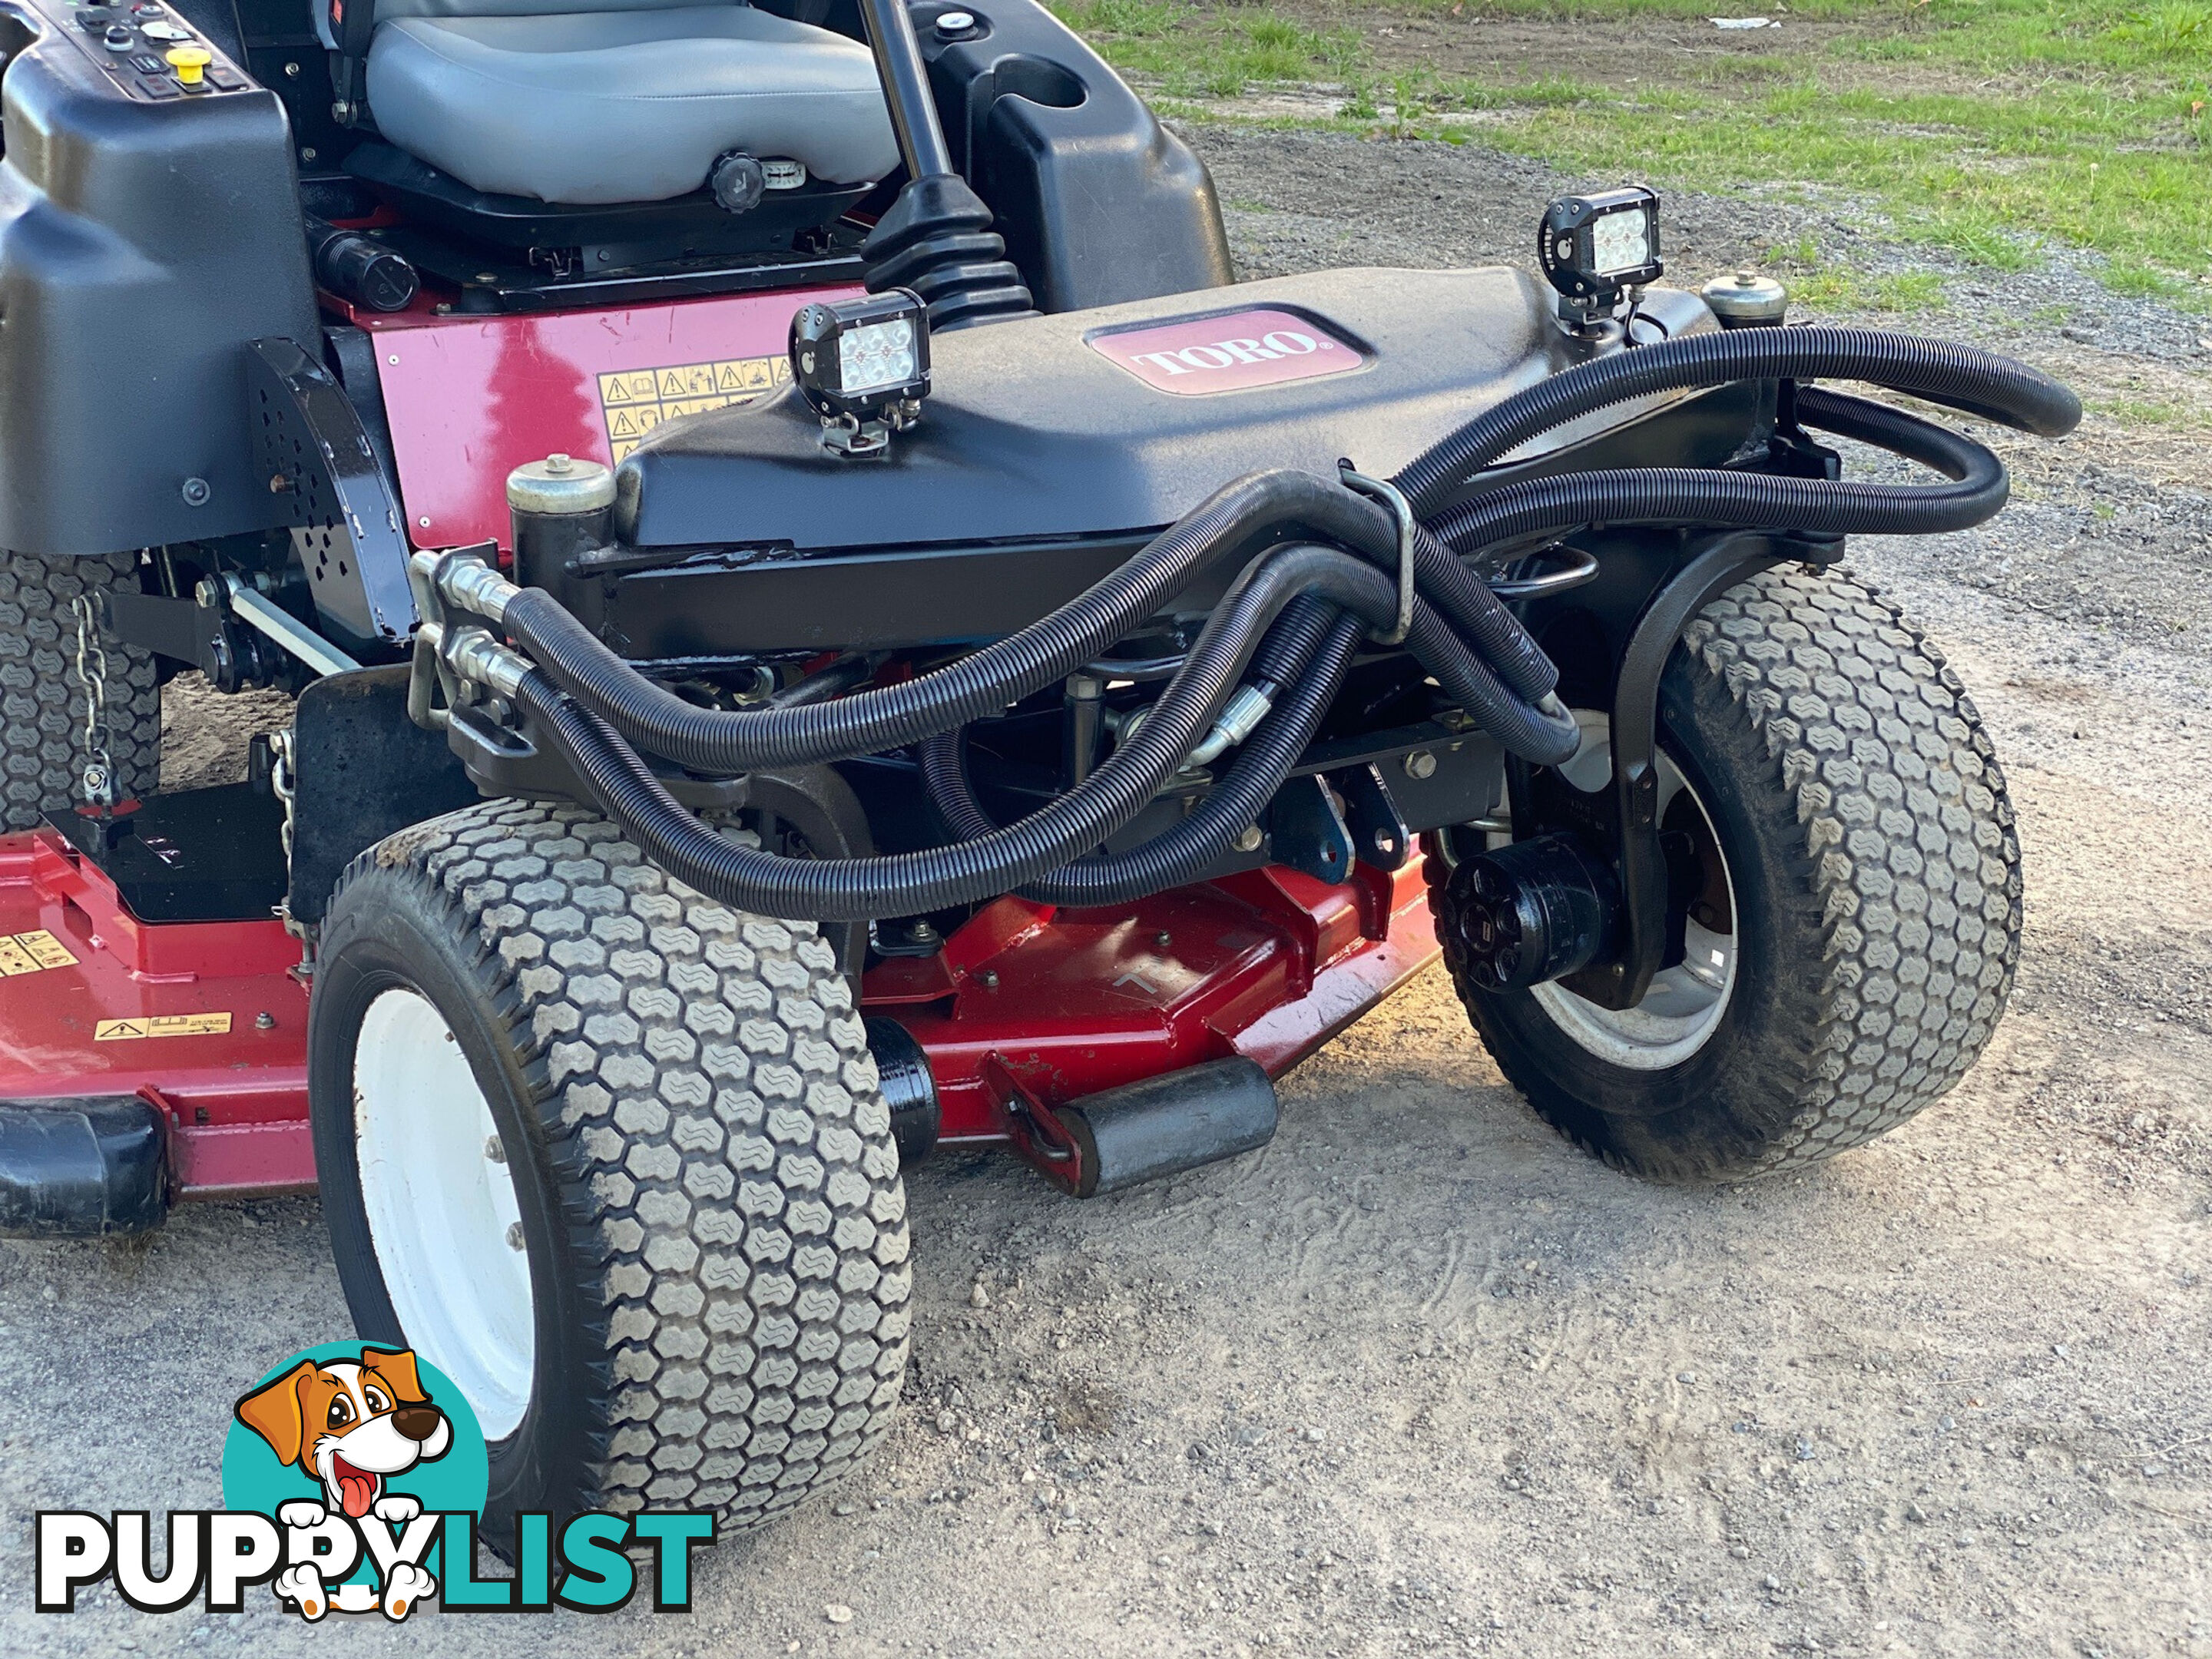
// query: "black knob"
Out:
[118,36]
[737,181]
[360,268]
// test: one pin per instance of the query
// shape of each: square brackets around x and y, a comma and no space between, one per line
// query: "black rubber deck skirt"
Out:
[82,1169]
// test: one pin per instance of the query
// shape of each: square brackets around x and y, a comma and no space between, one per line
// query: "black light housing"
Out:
[1593,248]
[863,365]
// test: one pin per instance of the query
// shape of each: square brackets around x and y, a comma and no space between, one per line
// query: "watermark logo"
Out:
[353,1479]
[355,1451]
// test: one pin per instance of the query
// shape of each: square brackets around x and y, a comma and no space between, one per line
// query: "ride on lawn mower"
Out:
[823,623]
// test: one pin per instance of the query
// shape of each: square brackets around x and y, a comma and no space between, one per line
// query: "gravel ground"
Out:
[1418,1377]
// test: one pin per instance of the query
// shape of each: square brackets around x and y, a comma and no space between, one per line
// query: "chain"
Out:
[282,784]
[99,778]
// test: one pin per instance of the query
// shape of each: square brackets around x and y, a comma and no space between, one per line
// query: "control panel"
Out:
[147,49]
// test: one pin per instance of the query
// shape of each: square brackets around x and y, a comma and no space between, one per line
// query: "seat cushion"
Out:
[625,106]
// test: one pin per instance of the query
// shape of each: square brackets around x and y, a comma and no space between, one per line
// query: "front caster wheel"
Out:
[1848,916]
[613,1157]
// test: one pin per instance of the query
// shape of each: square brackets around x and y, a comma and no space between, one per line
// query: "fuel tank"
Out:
[1103,423]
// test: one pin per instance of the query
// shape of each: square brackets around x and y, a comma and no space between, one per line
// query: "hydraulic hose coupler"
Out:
[474,656]
[559,508]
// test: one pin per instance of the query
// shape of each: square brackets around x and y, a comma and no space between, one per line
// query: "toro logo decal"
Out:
[1229,353]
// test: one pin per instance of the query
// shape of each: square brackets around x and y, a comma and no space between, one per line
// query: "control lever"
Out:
[936,237]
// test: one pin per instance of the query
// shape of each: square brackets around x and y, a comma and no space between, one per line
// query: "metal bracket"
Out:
[433,677]
[314,455]
[1640,864]
[507,760]
[1037,1135]
[1307,831]
[1402,510]
[1381,836]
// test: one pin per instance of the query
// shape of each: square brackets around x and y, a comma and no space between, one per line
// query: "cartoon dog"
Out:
[352,1425]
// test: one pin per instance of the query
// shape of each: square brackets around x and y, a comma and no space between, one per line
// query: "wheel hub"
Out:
[439,1191]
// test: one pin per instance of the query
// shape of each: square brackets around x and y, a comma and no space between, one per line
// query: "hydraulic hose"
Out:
[1181,854]
[1292,618]
[1695,495]
[905,884]
[1227,524]
[1962,377]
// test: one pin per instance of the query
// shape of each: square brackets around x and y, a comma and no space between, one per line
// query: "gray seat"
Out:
[618,103]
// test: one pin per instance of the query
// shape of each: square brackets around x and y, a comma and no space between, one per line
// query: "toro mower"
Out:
[822,623]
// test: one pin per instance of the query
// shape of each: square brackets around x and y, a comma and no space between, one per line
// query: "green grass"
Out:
[1989,127]
[1157,38]
[2149,411]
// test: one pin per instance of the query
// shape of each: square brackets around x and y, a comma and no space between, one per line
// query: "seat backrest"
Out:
[331,15]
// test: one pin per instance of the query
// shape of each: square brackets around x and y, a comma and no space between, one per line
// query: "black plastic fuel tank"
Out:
[1051,447]
[1125,417]
[147,234]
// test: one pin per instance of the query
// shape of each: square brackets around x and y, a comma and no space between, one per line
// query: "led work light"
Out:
[863,365]
[1595,248]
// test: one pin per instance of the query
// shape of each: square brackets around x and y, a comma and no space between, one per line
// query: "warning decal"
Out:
[636,400]
[161,1025]
[27,953]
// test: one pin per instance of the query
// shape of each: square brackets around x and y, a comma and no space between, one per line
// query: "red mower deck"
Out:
[1024,1008]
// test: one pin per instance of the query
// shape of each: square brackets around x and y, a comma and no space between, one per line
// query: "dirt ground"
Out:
[1418,1377]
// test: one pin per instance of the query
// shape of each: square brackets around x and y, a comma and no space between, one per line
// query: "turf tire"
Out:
[710,1196]
[1871,845]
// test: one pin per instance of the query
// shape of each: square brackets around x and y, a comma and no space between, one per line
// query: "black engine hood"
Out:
[1033,432]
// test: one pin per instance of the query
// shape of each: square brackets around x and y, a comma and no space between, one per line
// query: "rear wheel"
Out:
[42,696]
[1852,917]
[614,1158]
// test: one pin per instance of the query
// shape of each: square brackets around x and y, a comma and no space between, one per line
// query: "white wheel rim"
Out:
[441,1209]
[1683,1008]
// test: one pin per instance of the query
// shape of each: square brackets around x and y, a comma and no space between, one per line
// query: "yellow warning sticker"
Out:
[635,400]
[161,1025]
[27,953]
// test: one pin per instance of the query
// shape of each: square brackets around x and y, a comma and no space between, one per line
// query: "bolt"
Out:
[196,492]
[292,71]
[514,1234]
[265,1021]
[308,154]
[923,933]
[988,979]
[1420,764]
[1249,839]
[955,23]
[1163,938]
[559,465]
[209,591]
[493,1150]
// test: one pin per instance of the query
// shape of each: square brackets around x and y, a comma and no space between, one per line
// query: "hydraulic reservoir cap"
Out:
[560,484]
[1747,300]
[190,64]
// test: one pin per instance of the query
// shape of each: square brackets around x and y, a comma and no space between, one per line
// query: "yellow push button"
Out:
[190,62]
